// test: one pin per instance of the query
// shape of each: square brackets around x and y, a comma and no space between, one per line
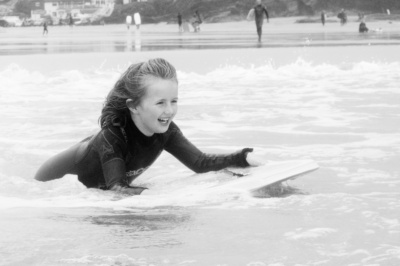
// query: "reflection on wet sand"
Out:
[138,41]
[113,39]
[129,40]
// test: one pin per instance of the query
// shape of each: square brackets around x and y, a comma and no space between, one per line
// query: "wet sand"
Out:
[89,47]
[280,32]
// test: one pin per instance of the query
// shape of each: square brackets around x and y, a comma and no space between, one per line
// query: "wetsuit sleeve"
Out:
[111,149]
[200,162]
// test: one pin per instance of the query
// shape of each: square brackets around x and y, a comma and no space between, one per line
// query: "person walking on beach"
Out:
[323,17]
[136,126]
[45,30]
[343,17]
[71,21]
[196,21]
[258,11]
[180,22]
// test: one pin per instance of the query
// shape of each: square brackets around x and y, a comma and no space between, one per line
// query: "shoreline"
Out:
[278,33]
[193,61]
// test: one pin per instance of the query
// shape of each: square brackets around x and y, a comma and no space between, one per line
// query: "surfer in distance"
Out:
[258,11]
[136,126]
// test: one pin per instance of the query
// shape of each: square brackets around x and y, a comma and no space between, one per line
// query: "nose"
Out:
[169,109]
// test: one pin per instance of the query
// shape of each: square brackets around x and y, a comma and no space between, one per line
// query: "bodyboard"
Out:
[128,20]
[255,178]
[137,19]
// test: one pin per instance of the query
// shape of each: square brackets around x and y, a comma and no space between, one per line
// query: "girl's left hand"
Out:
[254,160]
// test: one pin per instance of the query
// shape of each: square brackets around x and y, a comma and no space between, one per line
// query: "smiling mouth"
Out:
[163,120]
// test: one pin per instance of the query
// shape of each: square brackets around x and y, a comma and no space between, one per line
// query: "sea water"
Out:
[337,106]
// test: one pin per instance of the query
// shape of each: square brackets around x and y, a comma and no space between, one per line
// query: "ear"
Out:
[131,106]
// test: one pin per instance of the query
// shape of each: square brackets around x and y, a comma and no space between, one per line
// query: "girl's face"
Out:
[157,108]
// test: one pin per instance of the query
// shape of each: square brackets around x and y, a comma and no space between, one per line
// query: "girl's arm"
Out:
[200,162]
[115,177]
[112,149]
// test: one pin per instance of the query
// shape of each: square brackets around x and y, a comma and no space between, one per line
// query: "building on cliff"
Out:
[81,11]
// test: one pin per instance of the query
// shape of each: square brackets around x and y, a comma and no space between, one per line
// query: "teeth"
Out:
[163,120]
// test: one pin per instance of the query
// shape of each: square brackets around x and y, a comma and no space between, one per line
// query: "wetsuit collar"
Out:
[134,133]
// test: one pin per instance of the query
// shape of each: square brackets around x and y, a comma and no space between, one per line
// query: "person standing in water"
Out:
[343,17]
[196,21]
[258,11]
[45,30]
[136,126]
[323,17]
[180,22]
[362,28]
[71,21]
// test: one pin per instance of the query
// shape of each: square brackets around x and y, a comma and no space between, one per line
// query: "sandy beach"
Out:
[95,46]
[280,32]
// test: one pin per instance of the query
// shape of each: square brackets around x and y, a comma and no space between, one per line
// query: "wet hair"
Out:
[132,85]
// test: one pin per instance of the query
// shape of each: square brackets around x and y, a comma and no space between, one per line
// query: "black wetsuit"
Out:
[45,28]
[179,20]
[259,11]
[343,17]
[118,155]
[362,28]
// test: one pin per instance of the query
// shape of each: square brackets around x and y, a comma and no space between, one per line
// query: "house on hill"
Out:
[59,10]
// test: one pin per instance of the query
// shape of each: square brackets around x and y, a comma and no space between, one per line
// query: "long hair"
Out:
[132,85]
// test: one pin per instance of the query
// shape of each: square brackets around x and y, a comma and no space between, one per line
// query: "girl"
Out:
[136,126]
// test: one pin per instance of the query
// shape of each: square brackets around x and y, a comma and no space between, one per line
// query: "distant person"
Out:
[71,21]
[343,17]
[258,11]
[363,27]
[323,17]
[128,22]
[196,21]
[45,30]
[198,17]
[180,22]
[137,19]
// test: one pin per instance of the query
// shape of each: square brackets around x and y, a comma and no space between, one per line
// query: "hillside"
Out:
[233,10]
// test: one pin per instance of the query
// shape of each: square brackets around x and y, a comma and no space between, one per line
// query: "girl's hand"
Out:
[127,189]
[254,160]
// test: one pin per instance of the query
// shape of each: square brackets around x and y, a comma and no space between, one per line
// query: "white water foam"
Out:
[283,110]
